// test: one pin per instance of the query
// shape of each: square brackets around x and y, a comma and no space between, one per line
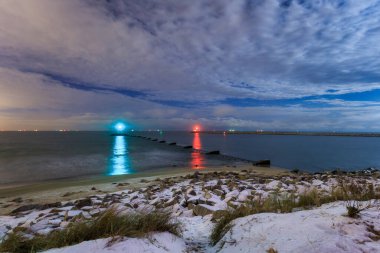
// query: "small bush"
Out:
[108,224]
[354,208]
[272,250]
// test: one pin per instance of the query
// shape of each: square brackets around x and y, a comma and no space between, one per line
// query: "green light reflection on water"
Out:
[120,162]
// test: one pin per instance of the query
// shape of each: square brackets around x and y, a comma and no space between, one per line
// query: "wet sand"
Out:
[13,196]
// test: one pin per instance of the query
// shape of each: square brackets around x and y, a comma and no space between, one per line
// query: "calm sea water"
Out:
[35,156]
[309,153]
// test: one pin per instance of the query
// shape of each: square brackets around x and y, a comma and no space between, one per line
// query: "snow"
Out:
[317,182]
[56,222]
[196,232]
[73,213]
[274,184]
[233,193]
[243,195]
[324,229]
[156,243]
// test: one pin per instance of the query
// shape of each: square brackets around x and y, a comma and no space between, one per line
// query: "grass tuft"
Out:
[354,208]
[271,250]
[278,203]
[109,224]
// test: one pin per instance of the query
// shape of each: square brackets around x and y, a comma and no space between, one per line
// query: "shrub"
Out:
[354,208]
[272,250]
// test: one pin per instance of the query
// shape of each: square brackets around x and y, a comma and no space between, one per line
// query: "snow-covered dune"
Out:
[324,229]
[321,230]
[156,243]
[197,200]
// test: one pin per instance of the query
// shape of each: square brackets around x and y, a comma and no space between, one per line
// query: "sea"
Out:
[38,156]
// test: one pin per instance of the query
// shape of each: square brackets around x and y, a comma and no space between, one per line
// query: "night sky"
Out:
[247,65]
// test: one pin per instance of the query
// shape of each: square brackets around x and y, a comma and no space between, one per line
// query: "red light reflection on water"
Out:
[197,141]
[196,156]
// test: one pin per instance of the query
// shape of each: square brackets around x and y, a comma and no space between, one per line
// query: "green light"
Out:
[120,127]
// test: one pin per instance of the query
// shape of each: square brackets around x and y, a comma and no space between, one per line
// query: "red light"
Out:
[196,128]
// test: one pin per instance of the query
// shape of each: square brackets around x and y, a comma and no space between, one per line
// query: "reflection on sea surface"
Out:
[119,162]
[196,156]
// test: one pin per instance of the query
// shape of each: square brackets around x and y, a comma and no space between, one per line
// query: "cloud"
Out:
[341,102]
[184,58]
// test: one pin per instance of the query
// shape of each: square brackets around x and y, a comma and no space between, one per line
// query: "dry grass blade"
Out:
[345,191]
[108,224]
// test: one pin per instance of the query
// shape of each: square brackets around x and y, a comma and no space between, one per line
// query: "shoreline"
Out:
[14,196]
[291,133]
[249,202]
[256,132]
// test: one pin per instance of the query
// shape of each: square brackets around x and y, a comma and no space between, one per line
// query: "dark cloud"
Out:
[187,57]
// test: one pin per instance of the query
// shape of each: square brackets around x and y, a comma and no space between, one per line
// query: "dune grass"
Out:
[354,208]
[285,203]
[108,224]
